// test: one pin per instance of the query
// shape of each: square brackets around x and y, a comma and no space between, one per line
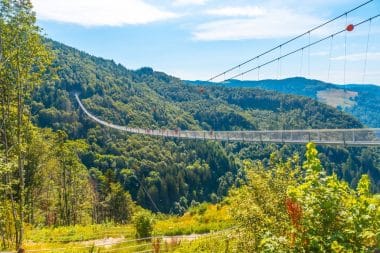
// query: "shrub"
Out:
[143,222]
[293,209]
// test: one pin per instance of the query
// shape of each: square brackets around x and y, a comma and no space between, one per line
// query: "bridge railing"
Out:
[361,136]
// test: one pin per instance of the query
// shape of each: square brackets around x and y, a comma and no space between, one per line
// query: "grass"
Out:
[337,97]
[212,244]
[201,219]
[123,246]
[79,233]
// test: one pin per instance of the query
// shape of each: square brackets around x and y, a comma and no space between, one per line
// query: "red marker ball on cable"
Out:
[350,28]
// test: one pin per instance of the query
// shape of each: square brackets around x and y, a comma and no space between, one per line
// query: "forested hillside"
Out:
[360,100]
[170,175]
[66,182]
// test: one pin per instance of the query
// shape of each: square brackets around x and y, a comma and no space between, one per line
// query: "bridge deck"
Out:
[349,137]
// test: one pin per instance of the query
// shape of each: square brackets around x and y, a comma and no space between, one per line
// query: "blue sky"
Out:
[196,39]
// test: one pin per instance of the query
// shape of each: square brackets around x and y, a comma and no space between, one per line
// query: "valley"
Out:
[98,157]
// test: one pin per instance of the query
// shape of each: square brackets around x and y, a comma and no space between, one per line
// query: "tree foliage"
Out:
[294,209]
[24,60]
[72,171]
[143,222]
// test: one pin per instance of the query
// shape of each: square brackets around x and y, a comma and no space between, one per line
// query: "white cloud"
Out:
[247,11]
[271,24]
[358,57]
[189,2]
[100,12]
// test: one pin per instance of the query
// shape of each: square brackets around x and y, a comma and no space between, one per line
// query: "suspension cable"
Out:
[258,70]
[278,67]
[308,58]
[299,49]
[301,64]
[345,54]
[366,51]
[330,55]
[287,42]
[148,194]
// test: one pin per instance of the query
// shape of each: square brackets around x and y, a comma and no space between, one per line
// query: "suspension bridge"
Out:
[349,137]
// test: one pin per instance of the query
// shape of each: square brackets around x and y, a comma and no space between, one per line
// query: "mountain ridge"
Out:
[365,105]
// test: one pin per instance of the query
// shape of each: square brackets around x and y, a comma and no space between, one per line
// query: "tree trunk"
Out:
[5,110]
[20,160]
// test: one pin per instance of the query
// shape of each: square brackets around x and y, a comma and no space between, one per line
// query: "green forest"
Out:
[64,179]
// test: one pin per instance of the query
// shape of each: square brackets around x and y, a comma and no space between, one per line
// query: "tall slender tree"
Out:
[24,59]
